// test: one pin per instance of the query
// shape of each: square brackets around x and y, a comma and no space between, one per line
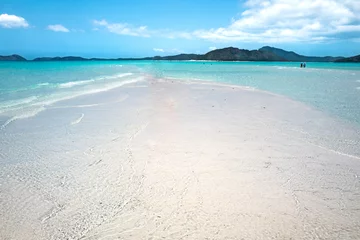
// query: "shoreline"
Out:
[199,84]
[149,79]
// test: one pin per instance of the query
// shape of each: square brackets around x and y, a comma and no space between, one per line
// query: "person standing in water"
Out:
[301,65]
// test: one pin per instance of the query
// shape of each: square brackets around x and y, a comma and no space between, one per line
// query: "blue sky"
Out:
[136,28]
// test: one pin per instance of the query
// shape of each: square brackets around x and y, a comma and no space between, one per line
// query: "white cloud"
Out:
[212,48]
[57,28]
[140,31]
[270,21]
[158,50]
[171,51]
[12,21]
[123,28]
[100,23]
[285,21]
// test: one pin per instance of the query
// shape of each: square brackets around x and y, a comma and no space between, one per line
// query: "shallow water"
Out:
[26,88]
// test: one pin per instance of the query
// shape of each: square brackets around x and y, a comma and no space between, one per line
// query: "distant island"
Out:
[12,58]
[294,57]
[350,59]
[225,54]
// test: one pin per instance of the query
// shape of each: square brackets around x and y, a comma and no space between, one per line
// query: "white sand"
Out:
[168,160]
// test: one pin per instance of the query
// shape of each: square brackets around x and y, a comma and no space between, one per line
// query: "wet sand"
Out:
[171,160]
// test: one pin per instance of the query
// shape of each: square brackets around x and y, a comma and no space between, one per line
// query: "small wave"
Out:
[23,115]
[43,84]
[78,120]
[184,79]
[84,82]
[75,83]
[15,103]
[358,81]
[78,106]
[27,88]
[91,105]
[337,152]
[115,76]
[285,67]
[29,107]
[57,98]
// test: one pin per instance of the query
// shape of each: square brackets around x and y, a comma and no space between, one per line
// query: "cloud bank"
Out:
[123,28]
[12,21]
[270,21]
[158,50]
[289,21]
[58,28]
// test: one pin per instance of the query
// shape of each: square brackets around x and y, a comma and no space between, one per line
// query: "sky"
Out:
[139,28]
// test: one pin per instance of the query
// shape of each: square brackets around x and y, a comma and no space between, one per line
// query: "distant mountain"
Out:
[235,54]
[354,59]
[69,58]
[225,54]
[74,58]
[294,57]
[12,58]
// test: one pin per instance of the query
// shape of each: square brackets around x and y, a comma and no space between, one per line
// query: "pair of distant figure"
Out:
[303,65]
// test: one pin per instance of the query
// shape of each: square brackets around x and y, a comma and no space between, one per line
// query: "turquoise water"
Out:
[26,88]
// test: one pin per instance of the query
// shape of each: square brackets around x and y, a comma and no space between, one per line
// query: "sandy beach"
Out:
[163,159]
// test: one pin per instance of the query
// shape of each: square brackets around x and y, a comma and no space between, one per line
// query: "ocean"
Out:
[27,88]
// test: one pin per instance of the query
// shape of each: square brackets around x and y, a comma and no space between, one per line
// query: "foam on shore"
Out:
[29,107]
